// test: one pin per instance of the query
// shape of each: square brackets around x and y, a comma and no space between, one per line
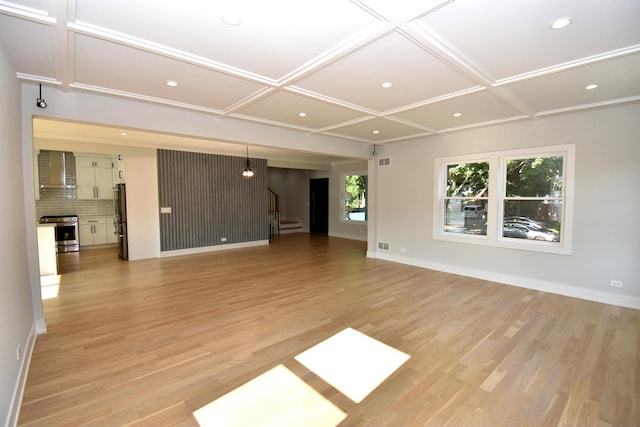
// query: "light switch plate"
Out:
[165,209]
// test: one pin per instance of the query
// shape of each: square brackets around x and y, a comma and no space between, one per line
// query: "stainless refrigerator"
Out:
[120,221]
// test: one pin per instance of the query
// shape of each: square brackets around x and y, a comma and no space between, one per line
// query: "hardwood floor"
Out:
[149,342]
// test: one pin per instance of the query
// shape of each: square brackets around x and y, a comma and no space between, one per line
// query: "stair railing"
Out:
[274,212]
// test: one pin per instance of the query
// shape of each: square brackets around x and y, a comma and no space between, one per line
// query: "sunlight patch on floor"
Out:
[353,362]
[276,398]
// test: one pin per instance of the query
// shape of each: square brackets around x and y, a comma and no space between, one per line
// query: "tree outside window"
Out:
[467,195]
[355,197]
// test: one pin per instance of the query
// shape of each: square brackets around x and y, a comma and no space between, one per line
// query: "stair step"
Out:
[291,230]
[289,226]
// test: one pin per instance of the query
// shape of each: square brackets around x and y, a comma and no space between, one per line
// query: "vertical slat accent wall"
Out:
[210,201]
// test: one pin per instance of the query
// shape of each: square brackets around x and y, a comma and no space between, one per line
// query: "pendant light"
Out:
[248,173]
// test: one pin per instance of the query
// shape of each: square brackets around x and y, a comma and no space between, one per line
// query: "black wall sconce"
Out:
[41,103]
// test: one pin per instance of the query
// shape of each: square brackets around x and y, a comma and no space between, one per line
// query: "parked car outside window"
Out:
[524,220]
[513,232]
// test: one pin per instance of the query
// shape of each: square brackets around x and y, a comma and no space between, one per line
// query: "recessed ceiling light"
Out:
[231,19]
[171,83]
[302,114]
[560,23]
[591,86]
[375,132]
[457,114]
[386,85]
[123,133]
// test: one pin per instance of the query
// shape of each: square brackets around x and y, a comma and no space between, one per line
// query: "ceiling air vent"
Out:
[384,162]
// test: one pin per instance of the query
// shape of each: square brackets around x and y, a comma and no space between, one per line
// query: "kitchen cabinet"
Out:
[94,177]
[96,230]
[93,231]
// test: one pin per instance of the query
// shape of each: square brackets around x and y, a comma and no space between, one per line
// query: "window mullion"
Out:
[494,211]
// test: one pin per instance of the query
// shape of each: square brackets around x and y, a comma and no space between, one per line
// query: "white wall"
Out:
[16,310]
[143,221]
[606,228]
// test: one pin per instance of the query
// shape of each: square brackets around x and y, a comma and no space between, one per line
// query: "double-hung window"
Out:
[466,200]
[520,199]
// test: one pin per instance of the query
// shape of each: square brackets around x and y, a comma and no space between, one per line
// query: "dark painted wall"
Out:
[210,200]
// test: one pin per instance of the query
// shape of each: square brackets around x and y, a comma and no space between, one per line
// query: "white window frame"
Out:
[343,196]
[495,212]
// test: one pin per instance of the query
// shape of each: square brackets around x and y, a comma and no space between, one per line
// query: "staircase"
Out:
[278,225]
[287,226]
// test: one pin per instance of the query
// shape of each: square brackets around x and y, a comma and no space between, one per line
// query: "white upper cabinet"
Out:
[94,177]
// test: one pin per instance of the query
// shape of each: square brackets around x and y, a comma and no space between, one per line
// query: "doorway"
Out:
[319,206]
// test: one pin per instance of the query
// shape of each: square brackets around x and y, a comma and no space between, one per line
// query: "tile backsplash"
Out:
[64,206]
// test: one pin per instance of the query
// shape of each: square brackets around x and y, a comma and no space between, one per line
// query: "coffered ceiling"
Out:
[321,66]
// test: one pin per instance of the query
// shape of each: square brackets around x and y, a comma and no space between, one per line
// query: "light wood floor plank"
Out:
[148,342]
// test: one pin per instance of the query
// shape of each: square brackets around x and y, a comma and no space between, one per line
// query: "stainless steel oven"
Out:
[67,237]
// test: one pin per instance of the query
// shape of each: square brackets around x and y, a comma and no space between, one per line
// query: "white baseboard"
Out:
[362,238]
[214,248]
[18,391]
[522,282]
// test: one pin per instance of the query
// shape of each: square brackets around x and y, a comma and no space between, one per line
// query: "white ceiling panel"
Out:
[110,65]
[567,89]
[507,38]
[478,107]
[285,108]
[274,38]
[415,73]
[379,130]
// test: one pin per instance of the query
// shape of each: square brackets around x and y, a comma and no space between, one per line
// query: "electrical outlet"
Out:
[615,283]
[18,352]
[224,239]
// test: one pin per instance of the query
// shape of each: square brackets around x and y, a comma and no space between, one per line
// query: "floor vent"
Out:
[383,246]
[384,162]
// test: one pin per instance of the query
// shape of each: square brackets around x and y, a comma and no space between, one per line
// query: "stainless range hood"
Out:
[56,174]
